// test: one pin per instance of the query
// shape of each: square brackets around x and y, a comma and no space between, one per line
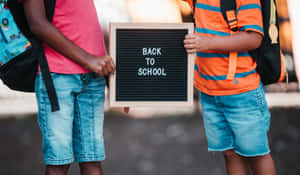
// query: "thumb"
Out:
[126,110]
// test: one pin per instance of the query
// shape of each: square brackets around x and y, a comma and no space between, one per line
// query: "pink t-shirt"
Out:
[77,20]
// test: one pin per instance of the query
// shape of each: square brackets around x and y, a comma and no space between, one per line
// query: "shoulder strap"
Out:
[48,83]
[194,10]
[49,6]
[228,8]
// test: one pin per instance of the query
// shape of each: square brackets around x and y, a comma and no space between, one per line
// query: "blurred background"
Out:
[159,141]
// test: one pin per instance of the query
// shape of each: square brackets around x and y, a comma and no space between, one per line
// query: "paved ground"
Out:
[172,145]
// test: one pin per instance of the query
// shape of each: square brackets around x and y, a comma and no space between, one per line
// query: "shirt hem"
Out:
[225,92]
[67,72]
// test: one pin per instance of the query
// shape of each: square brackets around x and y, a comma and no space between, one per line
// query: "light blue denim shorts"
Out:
[76,130]
[240,122]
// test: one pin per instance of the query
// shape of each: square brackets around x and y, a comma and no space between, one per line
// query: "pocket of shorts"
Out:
[261,103]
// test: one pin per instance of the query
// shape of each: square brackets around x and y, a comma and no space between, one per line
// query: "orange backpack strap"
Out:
[228,8]
[232,65]
[284,73]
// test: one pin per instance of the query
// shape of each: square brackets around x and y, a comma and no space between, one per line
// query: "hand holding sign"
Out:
[102,65]
[195,43]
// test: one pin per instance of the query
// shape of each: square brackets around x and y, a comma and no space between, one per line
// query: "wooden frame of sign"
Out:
[152,66]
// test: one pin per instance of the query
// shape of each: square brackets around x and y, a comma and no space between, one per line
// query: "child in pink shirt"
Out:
[75,52]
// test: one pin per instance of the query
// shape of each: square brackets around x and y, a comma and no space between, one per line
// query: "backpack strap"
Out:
[232,65]
[273,31]
[48,82]
[49,6]
[194,11]
[228,8]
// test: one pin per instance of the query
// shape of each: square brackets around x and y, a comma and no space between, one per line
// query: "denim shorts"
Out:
[76,130]
[240,122]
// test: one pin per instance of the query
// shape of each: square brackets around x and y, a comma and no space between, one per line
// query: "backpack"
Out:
[19,73]
[269,59]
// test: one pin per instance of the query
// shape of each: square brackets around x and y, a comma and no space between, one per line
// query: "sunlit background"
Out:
[159,141]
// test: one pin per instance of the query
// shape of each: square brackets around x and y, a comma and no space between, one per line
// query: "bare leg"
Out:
[235,164]
[262,165]
[91,168]
[57,170]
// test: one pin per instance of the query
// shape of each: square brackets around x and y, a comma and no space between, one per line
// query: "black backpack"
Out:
[20,73]
[270,61]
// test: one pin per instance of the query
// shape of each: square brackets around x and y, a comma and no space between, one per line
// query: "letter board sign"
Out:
[152,65]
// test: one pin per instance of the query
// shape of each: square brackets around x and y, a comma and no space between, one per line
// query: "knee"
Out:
[57,169]
[260,158]
[90,165]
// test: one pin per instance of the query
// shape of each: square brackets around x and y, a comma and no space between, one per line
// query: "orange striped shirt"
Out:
[211,67]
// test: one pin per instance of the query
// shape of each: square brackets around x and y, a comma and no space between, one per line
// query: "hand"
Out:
[126,110]
[102,65]
[194,43]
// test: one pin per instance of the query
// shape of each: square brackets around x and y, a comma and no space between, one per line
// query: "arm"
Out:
[49,34]
[240,41]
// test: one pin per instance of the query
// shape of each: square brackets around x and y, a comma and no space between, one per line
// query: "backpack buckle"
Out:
[232,20]
[273,33]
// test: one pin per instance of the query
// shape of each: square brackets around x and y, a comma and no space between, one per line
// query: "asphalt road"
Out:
[173,145]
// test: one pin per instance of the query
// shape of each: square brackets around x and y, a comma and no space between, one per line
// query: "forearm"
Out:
[240,41]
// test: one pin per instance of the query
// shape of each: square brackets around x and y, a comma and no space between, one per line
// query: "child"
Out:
[75,52]
[235,111]
[294,13]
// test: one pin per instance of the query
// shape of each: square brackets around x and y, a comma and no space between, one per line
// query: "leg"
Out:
[219,135]
[250,121]
[56,126]
[91,168]
[262,165]
[57,170]
[235,164]
[88,143]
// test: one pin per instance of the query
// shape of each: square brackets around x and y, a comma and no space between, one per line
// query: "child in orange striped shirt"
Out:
[235,111]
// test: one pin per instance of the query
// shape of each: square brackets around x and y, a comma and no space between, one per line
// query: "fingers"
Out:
[113,66]
[126,109]
[190,43]
[191,51]
[190,46]
[110,65]
[105,70]
[100,71]
[190,37]
[107,67]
